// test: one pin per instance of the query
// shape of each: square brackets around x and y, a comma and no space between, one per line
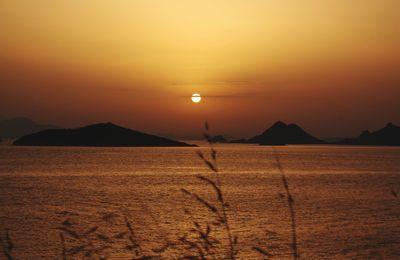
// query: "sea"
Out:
[132,203]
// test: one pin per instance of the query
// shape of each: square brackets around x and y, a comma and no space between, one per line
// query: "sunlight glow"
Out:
[196,98]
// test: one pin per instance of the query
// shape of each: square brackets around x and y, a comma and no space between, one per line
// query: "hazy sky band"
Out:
[330,66]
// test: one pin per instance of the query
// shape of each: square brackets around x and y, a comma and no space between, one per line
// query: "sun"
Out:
[196,98]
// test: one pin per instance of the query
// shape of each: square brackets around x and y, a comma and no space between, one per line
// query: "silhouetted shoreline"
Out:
[387,136]
[279,134]
[99,135]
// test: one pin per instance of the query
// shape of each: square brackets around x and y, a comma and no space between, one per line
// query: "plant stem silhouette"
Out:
[220,211]
[290,202]
[7,245]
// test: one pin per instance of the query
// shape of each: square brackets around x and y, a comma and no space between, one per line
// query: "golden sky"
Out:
[330,66]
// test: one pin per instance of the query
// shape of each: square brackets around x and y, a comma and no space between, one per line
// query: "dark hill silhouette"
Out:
[102,134]
[218,139]
[282,134]
[238,141]
[16,127]
[389,135]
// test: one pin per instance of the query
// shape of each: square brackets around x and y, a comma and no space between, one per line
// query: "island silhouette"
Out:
[281,133]
[101,134]
[388,136]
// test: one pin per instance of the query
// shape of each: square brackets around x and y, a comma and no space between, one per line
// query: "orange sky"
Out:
[330,66]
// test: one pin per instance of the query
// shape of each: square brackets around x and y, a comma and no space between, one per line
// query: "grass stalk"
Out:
[7,245]
[218,188]
[290,202]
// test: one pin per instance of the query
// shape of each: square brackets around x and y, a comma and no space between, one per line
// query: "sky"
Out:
[330,66]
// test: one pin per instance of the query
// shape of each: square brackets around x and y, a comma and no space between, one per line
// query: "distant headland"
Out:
[388,136]
[100,135]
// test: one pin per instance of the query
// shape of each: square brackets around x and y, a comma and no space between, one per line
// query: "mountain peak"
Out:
[390,124]
[280,134]
[279,124]
[105,124]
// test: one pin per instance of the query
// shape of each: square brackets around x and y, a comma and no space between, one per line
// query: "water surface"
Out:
[343,200]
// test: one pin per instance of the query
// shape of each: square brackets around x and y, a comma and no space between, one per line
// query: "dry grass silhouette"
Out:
[201,239]
[7,245]
[86,243]
[290,202]
[97,242]
[292,212]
